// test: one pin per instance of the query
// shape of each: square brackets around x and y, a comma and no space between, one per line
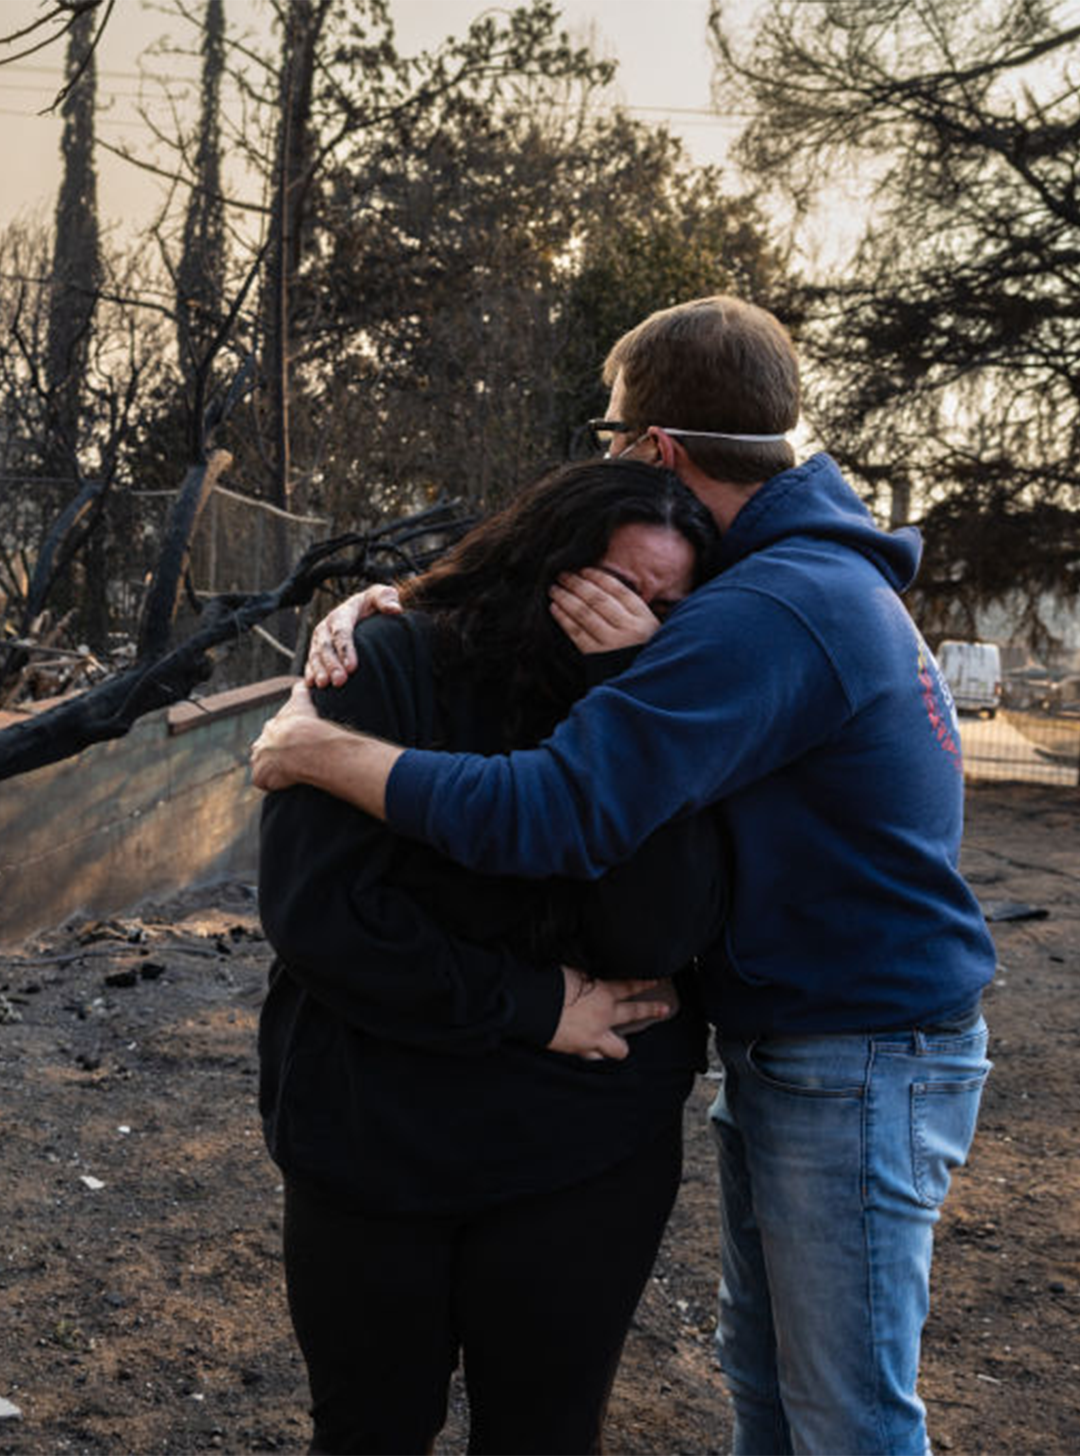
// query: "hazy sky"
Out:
[664,73]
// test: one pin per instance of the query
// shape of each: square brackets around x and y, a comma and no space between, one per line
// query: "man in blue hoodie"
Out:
[795,689]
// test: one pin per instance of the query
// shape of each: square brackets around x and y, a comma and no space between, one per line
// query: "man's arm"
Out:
[733,688]
[606,621]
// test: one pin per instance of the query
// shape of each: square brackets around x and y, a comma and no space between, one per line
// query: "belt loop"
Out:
[920,1042]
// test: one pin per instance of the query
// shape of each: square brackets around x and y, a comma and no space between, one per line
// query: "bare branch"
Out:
[73,10]
[80,70]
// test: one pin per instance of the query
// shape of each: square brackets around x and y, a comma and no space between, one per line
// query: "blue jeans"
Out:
[835,1155]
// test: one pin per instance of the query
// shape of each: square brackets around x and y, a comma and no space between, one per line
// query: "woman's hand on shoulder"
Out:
[599,613]
[332,656]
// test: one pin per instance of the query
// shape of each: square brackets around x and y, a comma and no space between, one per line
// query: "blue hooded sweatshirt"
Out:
[794,688]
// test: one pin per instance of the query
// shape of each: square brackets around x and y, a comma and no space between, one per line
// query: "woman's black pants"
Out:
[537,1294]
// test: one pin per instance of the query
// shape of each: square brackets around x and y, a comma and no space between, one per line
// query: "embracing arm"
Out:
[713,703]
[299,747]
[718,700]
[371,953]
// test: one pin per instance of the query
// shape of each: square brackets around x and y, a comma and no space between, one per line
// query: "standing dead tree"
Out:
[304,21]
[62,544]
[83,514]
[201,269]
[76,263]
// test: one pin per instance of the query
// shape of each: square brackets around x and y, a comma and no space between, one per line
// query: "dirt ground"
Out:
[141,1304]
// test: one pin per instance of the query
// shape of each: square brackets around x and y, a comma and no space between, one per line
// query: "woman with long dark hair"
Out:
[456,1181]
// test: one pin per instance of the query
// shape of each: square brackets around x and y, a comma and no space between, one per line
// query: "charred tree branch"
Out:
[109,710]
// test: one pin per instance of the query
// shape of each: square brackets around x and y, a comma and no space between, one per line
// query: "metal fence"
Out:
[1034,734]
[1025,746]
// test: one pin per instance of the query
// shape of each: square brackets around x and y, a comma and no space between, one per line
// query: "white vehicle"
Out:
[973,672]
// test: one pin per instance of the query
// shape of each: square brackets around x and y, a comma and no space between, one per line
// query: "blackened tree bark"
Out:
[76,269]
[303,24]
[75,282]
[166,586]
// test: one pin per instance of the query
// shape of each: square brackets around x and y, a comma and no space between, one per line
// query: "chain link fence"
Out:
[241,545]
[1032,735]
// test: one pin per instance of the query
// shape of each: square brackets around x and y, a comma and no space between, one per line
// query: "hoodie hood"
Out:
[815,500]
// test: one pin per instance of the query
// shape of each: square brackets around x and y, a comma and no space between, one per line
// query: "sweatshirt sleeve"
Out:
[357,943]
[650,915]
[734,686]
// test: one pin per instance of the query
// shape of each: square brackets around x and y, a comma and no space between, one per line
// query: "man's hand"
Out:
[331,656]
[279,754]
[598,612]
[592,1010]
[296,746]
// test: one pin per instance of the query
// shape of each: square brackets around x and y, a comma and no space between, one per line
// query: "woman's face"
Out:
[654,561]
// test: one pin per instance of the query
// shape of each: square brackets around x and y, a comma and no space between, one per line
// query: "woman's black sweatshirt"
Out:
[402,1043]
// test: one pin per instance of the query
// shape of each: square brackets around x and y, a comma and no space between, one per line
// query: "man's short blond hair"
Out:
[713,363]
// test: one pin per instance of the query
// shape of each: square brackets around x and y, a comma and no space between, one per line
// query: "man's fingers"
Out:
[625,990]
[262,760]
[323,665]
[629,1012]
[300,699]
[332,654]
[612,1046]
[317,669]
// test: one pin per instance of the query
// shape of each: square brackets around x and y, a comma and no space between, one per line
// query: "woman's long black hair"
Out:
[489,594]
